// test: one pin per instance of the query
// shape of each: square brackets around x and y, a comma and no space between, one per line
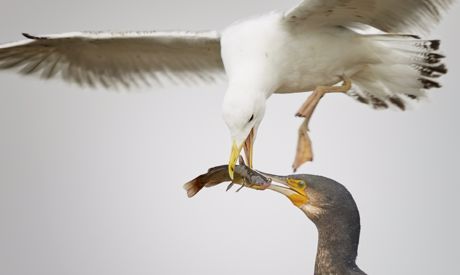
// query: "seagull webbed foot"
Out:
[304,151]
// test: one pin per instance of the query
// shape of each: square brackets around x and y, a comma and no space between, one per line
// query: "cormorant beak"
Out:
[236,150]
[295,189]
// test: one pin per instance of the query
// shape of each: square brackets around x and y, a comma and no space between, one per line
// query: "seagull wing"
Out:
[386,15]
[114,59]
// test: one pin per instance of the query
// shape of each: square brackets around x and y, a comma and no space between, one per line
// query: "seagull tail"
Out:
[408,66]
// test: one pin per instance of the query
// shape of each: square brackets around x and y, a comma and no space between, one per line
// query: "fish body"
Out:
[243,175]
[251,178]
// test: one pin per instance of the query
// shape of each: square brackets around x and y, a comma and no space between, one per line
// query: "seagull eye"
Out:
[250,119]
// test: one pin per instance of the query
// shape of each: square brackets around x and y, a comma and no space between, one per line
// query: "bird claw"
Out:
[298,115]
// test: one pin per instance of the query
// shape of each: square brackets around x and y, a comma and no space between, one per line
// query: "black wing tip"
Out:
[398,102]
[435,44]
[414,36]
[33,37]
[429,84]
[26,35]
[378,103]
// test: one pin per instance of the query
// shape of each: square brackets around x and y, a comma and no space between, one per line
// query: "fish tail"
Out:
[194,186]
[214,176]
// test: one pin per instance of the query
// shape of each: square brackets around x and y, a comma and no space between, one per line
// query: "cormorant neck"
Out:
[338,239]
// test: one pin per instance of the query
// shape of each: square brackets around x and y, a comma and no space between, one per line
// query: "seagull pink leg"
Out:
[304,152]
[306,110]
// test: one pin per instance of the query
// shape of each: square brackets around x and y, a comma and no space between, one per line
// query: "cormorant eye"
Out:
[252,117]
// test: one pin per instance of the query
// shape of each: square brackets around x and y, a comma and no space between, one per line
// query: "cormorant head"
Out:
[319,197]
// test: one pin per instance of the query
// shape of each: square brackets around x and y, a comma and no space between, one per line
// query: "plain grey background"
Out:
[91,181]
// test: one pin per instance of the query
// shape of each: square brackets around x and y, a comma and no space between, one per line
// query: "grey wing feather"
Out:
[114,59]
[386,15]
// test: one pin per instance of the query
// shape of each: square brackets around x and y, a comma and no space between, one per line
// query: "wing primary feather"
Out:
[32,67]
[113,59]
[392,16]
[52,70]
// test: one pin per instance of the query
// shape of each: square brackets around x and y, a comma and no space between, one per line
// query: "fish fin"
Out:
[194,186]
[230,186]
[214,176]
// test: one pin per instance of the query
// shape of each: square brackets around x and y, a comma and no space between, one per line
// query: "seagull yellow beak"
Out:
[248,145]
[233,157]
[236,150]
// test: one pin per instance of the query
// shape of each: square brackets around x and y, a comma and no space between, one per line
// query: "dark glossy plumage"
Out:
[333,210]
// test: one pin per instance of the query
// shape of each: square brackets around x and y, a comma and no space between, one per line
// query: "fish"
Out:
[243,175]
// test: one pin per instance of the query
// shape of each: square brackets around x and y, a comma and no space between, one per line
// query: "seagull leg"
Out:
[307,109]
[304,152]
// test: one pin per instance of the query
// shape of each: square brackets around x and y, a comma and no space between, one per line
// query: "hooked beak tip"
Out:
[231,171]
[235,153]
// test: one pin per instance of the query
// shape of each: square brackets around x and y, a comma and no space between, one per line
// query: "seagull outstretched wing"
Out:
[386,15]
[114,59]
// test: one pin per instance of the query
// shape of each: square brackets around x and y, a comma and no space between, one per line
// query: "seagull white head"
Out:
[243,113]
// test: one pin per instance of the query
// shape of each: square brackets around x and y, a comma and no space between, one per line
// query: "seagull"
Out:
[318,46]
[327,203]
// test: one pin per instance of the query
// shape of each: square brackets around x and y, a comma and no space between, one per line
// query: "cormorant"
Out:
[330,206]
[327,203]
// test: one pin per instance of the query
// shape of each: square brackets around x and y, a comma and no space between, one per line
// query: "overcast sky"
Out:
[91,181]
